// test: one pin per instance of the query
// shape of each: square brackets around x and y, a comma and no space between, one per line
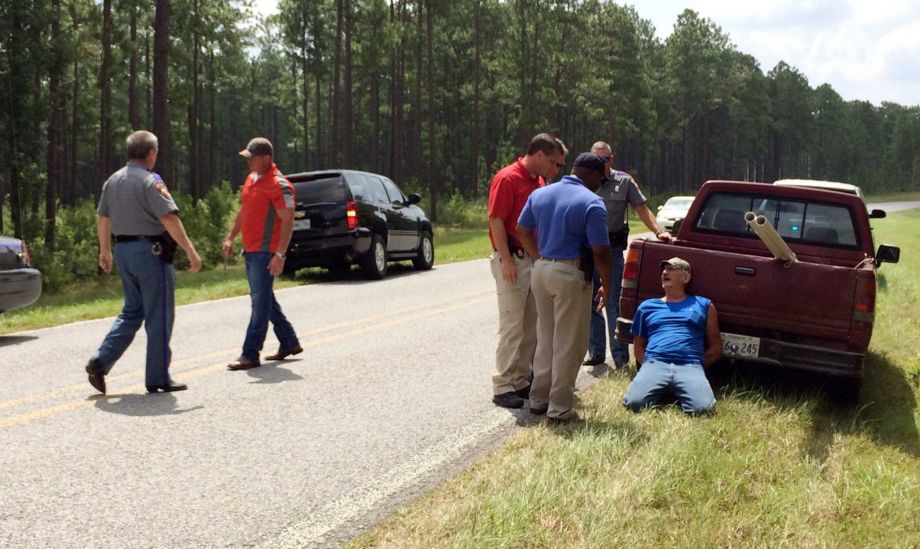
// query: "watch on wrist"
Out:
[281,255]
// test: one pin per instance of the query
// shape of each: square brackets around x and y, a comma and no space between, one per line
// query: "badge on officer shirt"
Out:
[161,186]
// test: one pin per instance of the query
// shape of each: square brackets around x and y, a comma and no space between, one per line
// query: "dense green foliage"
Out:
[437,95]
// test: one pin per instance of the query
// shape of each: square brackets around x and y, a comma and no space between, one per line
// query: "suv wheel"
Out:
[374,263]
[425,258]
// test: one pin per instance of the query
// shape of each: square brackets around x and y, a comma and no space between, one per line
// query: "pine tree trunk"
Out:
[73,166]
[306,106]
[54,151]
[161,88]
[335,109]
[134,111]
[433,177]
[194,116]
[348,121]
[477,83]
[105,87]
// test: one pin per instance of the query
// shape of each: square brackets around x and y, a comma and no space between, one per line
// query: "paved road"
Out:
[892,207]
[392,393]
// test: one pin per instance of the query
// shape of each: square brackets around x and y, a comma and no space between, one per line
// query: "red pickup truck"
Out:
[808,304]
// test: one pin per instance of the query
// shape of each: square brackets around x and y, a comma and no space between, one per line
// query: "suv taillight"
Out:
[631,269]
[351,212]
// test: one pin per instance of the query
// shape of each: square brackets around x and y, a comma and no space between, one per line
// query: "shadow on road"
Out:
[15,340]
[352,276]
[272,372]
[160,404]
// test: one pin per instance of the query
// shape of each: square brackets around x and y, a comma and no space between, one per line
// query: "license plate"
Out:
[300,224]
[739,346]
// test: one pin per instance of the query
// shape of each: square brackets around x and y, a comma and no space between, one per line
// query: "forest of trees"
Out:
[434,93]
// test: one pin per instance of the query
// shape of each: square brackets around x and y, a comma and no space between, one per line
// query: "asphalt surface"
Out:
[392,394]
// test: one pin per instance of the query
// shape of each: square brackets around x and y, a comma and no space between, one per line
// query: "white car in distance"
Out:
[672,211]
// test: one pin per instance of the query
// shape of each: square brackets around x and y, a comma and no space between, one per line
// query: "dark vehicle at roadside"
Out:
[20,284]
[345,217]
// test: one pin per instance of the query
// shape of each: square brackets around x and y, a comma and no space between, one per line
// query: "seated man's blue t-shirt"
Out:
[674,332]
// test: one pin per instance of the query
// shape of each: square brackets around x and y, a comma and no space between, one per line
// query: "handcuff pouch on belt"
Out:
[620,238]
[165,246]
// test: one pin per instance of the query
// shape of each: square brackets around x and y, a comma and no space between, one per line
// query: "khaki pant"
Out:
[517,327]
[563,300]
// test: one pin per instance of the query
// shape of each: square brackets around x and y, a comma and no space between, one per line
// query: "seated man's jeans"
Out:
[658,380]
[265,308]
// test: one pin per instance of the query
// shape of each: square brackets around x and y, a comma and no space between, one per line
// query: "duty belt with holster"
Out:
[163,244]
[515,249]
[586,262]
[620,238]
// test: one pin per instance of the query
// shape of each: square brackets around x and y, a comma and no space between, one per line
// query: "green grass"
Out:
[776,466]
[102,297]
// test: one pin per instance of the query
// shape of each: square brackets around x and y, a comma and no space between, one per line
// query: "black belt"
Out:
[135,237]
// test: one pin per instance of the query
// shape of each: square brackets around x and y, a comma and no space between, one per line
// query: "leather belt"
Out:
[132,237]
[576,262]
[519,252]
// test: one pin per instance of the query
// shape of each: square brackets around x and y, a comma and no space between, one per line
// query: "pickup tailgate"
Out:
[758,296]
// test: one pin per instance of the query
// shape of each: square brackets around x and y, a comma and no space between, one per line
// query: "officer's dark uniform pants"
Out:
[149,285]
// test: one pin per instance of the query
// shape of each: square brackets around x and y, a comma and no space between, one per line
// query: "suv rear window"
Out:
[318,189]
[795,220]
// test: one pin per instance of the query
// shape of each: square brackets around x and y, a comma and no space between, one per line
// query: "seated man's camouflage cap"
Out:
[676,263]
[258,146]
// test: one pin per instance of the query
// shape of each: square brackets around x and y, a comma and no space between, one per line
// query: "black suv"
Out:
[346,216]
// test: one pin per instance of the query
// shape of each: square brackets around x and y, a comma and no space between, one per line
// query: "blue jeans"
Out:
[658,380]
[149,285]
[597,342]
[265,308]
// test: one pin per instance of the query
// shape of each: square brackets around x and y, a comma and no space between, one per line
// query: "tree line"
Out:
[436,94]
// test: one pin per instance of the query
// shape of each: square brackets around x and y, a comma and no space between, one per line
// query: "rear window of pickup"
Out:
[796,220]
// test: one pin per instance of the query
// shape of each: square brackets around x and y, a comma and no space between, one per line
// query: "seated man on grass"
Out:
[668,339]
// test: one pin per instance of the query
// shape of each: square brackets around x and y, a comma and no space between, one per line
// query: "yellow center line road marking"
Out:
[176,364]
[202,371]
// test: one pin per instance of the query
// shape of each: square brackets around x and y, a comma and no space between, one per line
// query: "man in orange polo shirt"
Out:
[266,220]
[511,265]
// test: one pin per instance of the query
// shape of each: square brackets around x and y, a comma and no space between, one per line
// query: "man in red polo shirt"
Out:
[266,219]
[511,265]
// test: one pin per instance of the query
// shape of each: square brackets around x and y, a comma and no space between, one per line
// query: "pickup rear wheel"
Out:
[425,258]
[374,262]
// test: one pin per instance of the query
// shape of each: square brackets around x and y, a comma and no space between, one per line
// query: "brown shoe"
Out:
[243,363]
[566,420]
[284,353]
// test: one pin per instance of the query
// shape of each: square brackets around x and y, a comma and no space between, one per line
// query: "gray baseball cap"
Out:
[258,146]
[676,263]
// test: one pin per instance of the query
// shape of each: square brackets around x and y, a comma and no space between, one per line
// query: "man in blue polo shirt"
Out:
[557,225]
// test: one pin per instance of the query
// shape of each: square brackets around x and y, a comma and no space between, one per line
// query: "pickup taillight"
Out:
[864,300]
[631,269]
[25,255]
[351,212]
